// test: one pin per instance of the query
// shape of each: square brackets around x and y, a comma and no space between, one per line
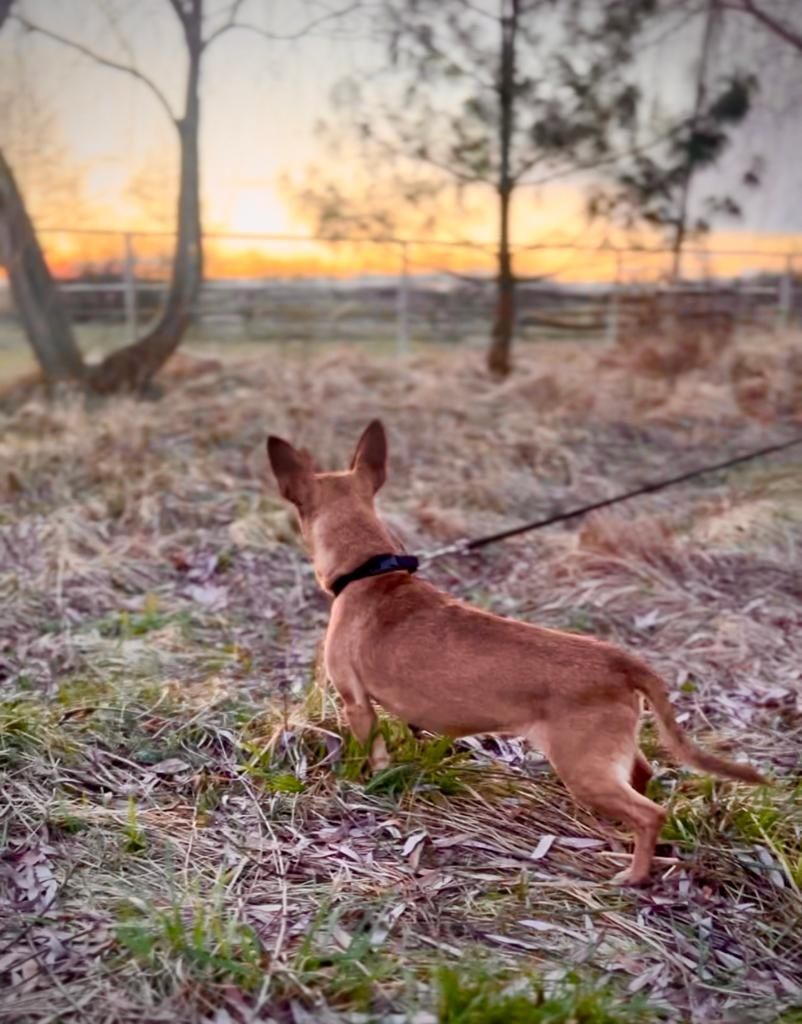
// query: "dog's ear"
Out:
[293,470]
[370,457]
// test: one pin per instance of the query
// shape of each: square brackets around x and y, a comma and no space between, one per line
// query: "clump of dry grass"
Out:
[189,834]
[767,383]
[645,538]
[665,336]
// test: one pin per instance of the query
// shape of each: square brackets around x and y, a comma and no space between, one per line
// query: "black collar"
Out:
[376,566]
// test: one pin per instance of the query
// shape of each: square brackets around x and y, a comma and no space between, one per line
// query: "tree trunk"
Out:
[133,368]
[36,298]
[681,228]
[498,355]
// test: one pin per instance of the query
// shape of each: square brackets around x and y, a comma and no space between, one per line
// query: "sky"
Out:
[104,154]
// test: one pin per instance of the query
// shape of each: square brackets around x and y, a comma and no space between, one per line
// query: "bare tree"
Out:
[779,20]
[499,96]
[32,286]
[133,367]
[35,293]
[686,172]
[498,358]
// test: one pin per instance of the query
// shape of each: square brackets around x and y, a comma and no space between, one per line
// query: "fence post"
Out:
[129,285]
[786,294]
[402,308]
[612,305]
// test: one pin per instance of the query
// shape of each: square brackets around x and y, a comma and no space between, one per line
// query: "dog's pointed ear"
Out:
[293,470]
[370,457]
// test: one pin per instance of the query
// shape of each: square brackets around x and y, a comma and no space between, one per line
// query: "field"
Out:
[190,834]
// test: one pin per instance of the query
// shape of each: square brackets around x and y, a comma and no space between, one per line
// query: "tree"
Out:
[779,20]
[500,95]
[134,366]
[36,297]
[33,289]
[654,185]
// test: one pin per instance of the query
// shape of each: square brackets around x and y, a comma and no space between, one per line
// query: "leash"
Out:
[465,545]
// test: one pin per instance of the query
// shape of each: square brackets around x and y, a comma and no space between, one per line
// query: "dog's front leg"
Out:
[363,722]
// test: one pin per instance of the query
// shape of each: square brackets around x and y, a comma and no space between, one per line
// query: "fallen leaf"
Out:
[580,843]
[544,845]
[170,766]
[208,594]
[412,842]
[537,925]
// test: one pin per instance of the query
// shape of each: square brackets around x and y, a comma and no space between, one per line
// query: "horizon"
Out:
[118,150]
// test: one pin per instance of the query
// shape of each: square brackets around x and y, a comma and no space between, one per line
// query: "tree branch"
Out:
[98,58]
[607,161]
[474,9]
[180,13]
[245,26]
[227,25]
[516,176]
[443,165]
[5,8]
[769,21]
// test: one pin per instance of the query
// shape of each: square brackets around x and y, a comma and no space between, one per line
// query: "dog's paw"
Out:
[379,758]
[628,878]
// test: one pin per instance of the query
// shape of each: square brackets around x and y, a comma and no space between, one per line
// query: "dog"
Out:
[446,667]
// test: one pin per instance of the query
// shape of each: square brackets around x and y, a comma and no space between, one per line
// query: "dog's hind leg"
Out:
[596,763]
[646,820]
[641,773]
[614,797]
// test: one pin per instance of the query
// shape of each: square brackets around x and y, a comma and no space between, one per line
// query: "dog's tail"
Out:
[678,743]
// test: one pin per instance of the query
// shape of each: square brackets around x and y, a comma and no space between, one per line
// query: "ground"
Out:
[189,833]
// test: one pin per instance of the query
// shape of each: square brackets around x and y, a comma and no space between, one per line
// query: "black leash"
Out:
[464,546]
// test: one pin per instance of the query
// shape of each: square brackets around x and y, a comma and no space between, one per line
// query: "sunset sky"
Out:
[103,154]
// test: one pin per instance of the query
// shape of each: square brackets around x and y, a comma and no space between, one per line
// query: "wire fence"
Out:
[286,288]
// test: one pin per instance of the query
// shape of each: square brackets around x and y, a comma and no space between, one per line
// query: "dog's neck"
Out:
[343,545]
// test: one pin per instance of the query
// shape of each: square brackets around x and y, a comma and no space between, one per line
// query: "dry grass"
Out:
[189,835]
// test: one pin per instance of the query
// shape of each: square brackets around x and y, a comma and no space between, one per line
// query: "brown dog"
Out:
[446,667]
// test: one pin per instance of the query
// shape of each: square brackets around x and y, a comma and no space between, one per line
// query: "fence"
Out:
[395,291]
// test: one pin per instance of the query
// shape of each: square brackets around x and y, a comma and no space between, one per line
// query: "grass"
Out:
[195,939]
[344,964]
[480,997]
[189,832]
[763,826]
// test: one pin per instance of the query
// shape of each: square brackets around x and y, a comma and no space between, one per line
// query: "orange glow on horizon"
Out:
[71,254]
[228,259]
[551,223]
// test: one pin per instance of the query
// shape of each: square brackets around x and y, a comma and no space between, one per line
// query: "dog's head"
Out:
[335,510]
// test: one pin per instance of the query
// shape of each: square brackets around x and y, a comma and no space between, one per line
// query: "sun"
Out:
[256,210]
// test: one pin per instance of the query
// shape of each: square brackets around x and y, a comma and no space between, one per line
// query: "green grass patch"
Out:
[704,812]
[27,729]
[198,939]
[481,997]
[792,1016]
[79,690]
[136,841]
[421,766]
[349,973]
[418,763]
[581,620]
[127,625]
